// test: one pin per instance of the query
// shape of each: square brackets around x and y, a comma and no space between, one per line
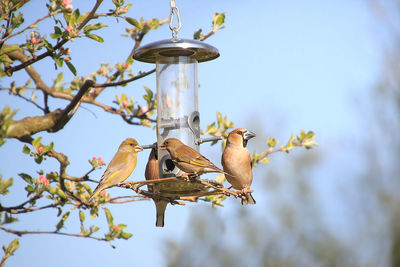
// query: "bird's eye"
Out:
[239,132]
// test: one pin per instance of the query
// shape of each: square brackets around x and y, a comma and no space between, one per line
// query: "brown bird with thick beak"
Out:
[187,159]
[236,161]
[152,173]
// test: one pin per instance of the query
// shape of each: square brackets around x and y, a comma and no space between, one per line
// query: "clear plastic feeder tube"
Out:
[177,106]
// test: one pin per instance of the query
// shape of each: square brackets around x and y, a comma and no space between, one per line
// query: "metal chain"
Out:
[175,9]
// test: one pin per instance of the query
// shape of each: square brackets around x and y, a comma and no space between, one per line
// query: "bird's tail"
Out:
[249,200]
[98,189]
[161,206]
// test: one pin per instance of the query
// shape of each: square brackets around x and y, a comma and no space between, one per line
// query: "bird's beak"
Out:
[163,146]
[138,148]
[248,135]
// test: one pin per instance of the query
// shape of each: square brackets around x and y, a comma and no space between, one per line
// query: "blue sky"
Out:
[289,65]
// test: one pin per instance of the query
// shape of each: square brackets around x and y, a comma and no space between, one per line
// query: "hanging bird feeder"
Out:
[177,89]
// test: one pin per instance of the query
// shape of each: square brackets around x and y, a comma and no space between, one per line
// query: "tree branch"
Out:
[65,116]
[26,127]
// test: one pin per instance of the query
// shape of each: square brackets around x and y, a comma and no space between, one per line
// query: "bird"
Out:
[236,162]
[120,167]
[152,173]
[187,159]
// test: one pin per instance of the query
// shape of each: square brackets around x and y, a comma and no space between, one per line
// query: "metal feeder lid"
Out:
[167,48]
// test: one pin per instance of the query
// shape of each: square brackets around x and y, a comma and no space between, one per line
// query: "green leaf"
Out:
[60,224]
[29,189]
[5,59]
[4,185]
[71,67]
[82,18]
[110,218]
[118,3]
[39,159]
[93,27]
[310,135]
[95,37]
[8,49]
[59,61]
[133,22]
[302,135]
[81,216]
[218,20]
[52,190]
[12,247]
[197,34]
[61,193]
[26,149]
[17,20]
[272,142]
[26,177]
[57,33]
[48,147]
[87,188]
[125,235]
[10,219]
[74,18]
[93,229]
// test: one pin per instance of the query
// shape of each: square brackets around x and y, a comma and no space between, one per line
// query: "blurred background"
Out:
[332,67]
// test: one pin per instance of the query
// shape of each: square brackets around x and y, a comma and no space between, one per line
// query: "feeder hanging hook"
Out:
[175,9]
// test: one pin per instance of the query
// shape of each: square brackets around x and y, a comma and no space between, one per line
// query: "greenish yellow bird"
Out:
[120,167]
[187,159]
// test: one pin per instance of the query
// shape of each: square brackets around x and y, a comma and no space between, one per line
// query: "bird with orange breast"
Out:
[236,162]
[152,173]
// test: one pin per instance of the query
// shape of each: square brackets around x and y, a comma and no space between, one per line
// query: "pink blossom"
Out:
[35,40]
[144,110]
[103,193]
[94,158]
[40,149]
[100,160]
[43,180]
[126,65]
[125,103]
[67,58]
[68,29]
[67,4]
[116,228]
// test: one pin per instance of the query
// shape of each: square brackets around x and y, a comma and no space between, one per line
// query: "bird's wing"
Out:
[112,171]
[198,160]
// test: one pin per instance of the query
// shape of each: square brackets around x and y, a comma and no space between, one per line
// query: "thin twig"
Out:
[31,26]
[30,101]
[103,85]
[211,33]
[280,149]
[21,233]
